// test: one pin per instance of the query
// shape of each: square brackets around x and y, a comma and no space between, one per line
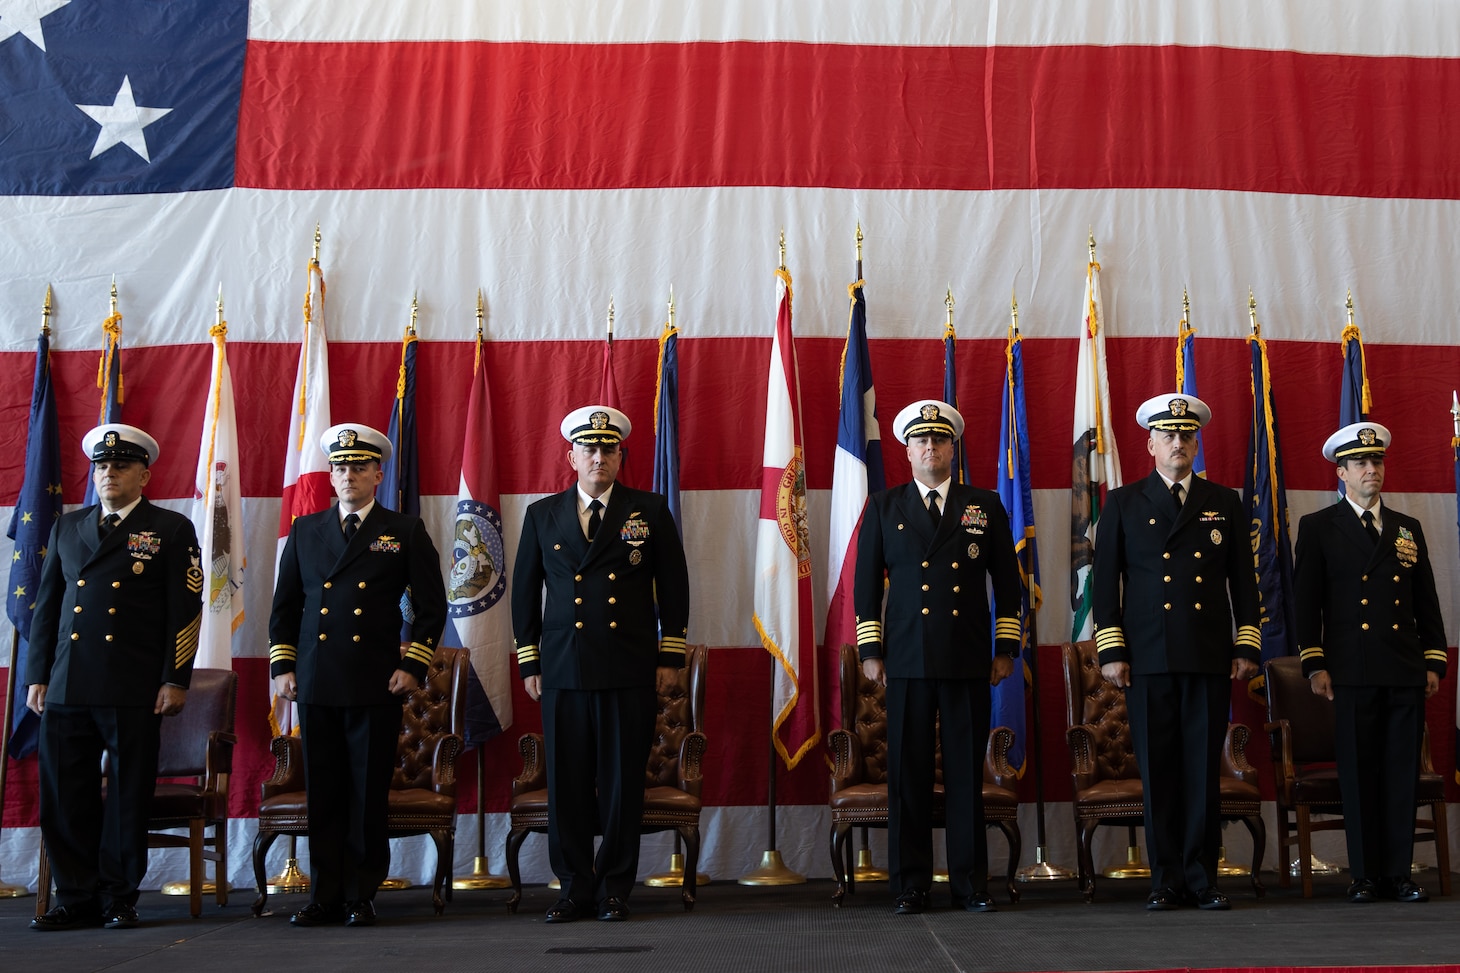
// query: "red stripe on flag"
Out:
[610,116]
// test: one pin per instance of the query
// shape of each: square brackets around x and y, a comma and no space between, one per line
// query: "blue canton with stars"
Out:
[160,83]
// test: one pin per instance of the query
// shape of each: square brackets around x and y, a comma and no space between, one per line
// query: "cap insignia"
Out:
[598,420]
[1367,436]
[929,412]
[348,437]
[1178,407]
[111,439]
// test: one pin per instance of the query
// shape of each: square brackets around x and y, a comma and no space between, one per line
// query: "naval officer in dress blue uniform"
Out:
[937,544]
[1173,573]
[1372,640]
[609,634]
[335,647]
[111,653]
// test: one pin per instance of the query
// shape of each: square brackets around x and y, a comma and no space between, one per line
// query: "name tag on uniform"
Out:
[386,544]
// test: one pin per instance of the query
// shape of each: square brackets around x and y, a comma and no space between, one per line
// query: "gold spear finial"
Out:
[1455,411]
[1092,244]
[480,313]
[1014,309]
[1185,309]
[1252,311]
[610,319]
[671,305]
[46,313]
[783,248]
[415,307]
[220,303]
[315,259]
[114,294]
[859,241]
[948,303]
[1349,303]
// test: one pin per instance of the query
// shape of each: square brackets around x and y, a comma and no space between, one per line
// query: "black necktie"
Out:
[1368,518]
[595,517]
[352,524]
[934,515]
[108,524]
[1176,495]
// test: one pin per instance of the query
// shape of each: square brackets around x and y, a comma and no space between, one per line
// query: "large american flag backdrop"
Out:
[559,152]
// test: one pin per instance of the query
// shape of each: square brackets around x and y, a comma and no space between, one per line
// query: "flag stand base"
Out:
[186,888]
[1042,870]
[674,878]
[865,870]
[481,877]
[8,891]
[772,871]
[290,880]
[1133,867]
[394,884]
[1225,867]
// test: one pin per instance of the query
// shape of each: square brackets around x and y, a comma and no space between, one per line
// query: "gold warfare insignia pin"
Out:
[635,556]
[348,437]
[973,550]
[1216,537]
[111,438]
[1367,436]
[1178,407]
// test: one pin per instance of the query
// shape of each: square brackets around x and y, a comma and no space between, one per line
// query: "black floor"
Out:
[757,929]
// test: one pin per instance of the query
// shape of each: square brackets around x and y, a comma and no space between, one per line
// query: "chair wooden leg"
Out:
[195,866]
[220,862]
[1016,849]
[1086,835]
[1258,829]
[261,843]
[690,834]
[1305,850]
[1284,842]
[839,867]
[442,840]
[1442,844]
[515,837]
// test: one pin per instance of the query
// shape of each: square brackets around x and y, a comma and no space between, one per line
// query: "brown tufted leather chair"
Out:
[1107,778]
[422,793]
[1300,726]
[859,777]
[672,779]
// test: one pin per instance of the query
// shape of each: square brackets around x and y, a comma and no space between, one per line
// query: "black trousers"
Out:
[98,849]
[349,759]
[962,707]
[597,750]
[1178,722]
[1378,732]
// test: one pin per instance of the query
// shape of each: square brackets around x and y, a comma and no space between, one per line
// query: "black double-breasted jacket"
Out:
[1168,586]
[1369,614]
[336,618]
[116,618]
[936,622]
[615,609]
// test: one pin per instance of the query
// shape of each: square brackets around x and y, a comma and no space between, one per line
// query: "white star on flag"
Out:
[122,122]
[24,17]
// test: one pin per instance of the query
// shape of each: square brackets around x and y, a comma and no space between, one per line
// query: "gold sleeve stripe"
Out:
[1250,636]
[527,653]
[1110,637]
[1007,628]
[1436,655]
[282,653]
[1311,652]
[420,653]
[869,632]
[671,644]
[187,641]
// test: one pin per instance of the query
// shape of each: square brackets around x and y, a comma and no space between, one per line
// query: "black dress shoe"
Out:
[1363,891]
[912,902]
[1163,900]
[64,917]
[980,902]
[315,914]
[362,913]
[563,910]
[1403,890]
[121,917]
[1211,899]
[613,910]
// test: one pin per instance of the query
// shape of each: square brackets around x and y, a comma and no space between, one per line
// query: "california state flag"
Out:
[1096,466]
[218,515]
[306,471]
[783,551]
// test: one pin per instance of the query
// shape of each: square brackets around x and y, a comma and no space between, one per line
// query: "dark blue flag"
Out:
[666,422]
[950,395]
[1353,390]
[127,96]
[1018,498]
[30,528]
[1186,383]
[400,483]
[1267,506]
[108,378]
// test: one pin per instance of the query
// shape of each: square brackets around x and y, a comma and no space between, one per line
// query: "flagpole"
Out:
[773,871]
